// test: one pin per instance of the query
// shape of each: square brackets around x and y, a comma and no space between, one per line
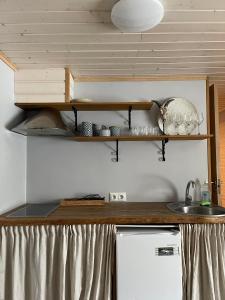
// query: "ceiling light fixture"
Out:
[137,15]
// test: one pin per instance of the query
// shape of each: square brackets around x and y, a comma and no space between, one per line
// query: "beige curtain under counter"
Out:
[75,262]
[203,251]
[56,262]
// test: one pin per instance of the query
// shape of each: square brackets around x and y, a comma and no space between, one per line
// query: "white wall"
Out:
[58,168]
[12,147]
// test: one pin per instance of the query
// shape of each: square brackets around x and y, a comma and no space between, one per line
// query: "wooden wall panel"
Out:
[40,88]
[42,85]
[29,98]
[40,75]
[222,155]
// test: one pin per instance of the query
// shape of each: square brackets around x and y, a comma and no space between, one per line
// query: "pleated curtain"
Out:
[56,262]
[203,252]
[76,262]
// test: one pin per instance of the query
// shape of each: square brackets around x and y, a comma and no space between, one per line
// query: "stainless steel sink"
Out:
[197,210]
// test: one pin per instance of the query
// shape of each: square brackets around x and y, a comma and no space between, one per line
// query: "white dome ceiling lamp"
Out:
[137,15]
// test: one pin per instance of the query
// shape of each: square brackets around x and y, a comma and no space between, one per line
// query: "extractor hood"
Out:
[46,122]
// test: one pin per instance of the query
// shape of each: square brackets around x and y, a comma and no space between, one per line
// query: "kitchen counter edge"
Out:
[113,213]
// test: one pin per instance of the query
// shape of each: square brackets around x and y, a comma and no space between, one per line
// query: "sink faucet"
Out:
[188,198]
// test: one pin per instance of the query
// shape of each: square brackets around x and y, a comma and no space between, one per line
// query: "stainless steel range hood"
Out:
[46,122]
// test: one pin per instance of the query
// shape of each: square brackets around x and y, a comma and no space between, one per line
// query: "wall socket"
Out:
[118,196]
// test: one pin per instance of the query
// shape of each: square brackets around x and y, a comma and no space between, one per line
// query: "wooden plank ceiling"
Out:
[79,34]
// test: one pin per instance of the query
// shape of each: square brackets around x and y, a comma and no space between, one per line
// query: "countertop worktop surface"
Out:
[113,213]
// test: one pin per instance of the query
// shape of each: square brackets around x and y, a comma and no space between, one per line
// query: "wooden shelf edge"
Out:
[140,138]
[88,106]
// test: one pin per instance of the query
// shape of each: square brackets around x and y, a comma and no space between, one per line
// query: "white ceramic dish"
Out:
[179,109]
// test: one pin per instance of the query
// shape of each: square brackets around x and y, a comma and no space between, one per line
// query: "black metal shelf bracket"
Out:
[116,152]
[129,116]
[164,149]
[75,116]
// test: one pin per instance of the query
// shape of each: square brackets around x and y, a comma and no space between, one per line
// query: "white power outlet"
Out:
[122,196]
[113,196]
[118,196]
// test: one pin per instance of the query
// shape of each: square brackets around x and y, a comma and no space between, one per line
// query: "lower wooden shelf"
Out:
[129,138]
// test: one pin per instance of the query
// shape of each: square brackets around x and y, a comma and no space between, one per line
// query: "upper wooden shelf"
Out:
[88,106]
[140,138]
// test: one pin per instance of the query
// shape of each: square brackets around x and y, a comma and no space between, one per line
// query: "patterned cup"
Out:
[86,129]
[115,130]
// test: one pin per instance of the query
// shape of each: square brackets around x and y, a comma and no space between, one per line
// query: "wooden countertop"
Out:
[113,213]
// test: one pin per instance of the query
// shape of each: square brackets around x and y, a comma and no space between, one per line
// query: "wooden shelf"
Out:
[111,106]
[129,138]
[89,106]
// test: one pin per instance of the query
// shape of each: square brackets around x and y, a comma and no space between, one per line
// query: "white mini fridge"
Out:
[148,263]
